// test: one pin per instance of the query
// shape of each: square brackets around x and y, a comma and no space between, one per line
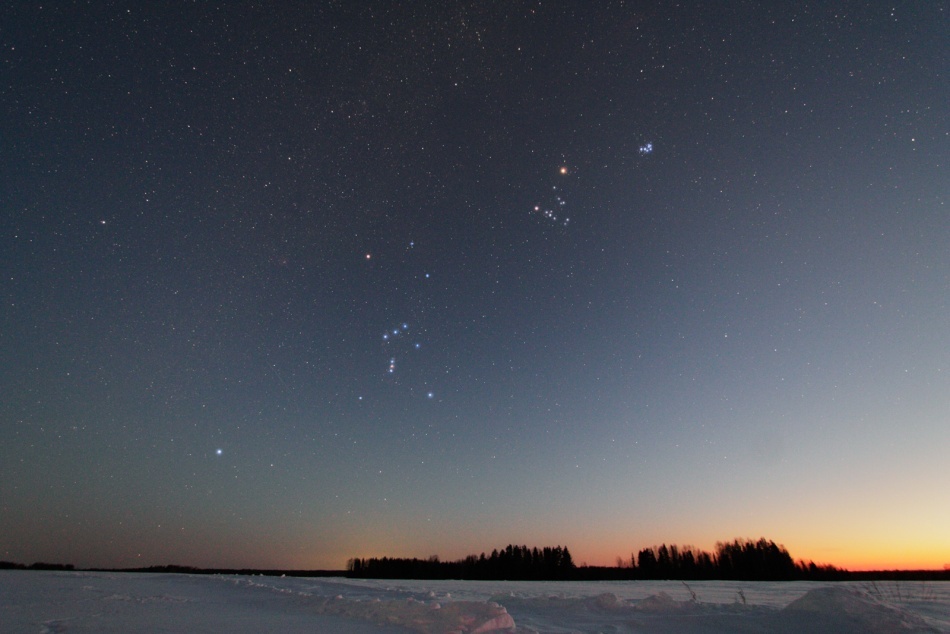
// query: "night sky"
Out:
[287,283]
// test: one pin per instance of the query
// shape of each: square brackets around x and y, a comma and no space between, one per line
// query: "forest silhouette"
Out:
[761,560]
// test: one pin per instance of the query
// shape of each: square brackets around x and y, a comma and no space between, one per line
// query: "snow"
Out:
[38,601]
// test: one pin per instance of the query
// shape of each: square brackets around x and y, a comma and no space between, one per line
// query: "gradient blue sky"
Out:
[211,215]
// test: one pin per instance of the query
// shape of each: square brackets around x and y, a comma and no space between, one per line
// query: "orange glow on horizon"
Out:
[854,554]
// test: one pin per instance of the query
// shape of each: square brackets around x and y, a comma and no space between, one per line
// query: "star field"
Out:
[284,285]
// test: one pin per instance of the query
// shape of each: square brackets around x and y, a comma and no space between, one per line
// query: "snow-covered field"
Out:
[35,601]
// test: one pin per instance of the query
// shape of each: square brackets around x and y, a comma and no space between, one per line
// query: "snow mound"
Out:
[659,603]
[843,609]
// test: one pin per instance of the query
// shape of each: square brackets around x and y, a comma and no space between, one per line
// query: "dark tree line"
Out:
[746,560]
[510,563]
[9,565]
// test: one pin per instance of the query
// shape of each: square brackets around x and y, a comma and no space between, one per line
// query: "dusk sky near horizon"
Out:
[287,283]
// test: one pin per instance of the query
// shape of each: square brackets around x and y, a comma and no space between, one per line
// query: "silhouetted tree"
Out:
[664,566]
[646,563]
[761,560]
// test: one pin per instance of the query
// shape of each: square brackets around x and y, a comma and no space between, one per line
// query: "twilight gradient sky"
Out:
[648,272]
